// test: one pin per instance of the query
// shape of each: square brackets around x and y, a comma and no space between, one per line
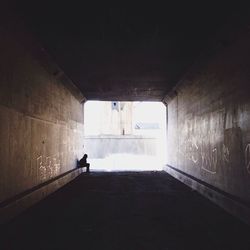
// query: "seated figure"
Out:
[83,162]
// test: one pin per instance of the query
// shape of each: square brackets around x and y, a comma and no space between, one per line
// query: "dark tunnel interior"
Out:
[192,56]
[129,51]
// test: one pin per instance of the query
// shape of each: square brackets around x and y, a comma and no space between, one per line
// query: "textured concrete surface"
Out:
[41,122]
[230,203]
[41,127]
[19,203]
[125,211]
[129,51]
[103,146]
[209,120]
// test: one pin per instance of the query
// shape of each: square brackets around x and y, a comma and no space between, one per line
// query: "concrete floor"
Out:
[130,211]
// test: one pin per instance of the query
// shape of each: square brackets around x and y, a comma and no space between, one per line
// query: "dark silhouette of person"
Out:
[83,162]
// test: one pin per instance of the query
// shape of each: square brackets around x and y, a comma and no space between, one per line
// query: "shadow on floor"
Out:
[125,211]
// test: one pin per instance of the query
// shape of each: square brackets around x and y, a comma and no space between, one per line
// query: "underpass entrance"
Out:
[125,136]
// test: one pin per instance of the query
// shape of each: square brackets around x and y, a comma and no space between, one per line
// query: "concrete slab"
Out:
[147,210]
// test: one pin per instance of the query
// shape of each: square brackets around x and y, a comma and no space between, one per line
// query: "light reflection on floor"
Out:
[127,162]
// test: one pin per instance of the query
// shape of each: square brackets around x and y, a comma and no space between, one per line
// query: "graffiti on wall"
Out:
[212,142]
[247,157]
[48,166]
[199,141]
[225,154]
[209,160]
[200,155]
[190,149]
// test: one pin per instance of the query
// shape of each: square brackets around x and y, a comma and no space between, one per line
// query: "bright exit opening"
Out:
[125,136]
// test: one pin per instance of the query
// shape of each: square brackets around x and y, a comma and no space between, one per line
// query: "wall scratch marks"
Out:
[247,157]
[48,166]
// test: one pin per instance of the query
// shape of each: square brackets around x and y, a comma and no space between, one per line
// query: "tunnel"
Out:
[194,57]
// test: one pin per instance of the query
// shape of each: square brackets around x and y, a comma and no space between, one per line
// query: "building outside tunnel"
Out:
[125,136]
[193,58]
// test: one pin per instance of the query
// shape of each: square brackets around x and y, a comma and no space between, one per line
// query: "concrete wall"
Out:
[209,120]
[116,121]
[103,146]
[41,121]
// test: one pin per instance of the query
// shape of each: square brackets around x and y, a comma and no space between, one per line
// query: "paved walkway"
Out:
[125,211]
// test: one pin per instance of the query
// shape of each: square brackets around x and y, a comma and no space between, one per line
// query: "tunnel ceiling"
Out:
[125,52]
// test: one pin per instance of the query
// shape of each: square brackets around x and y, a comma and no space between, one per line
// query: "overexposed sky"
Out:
[147,112]
[143,112]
